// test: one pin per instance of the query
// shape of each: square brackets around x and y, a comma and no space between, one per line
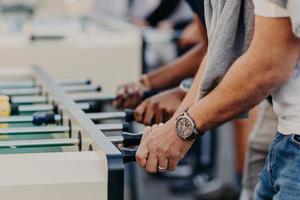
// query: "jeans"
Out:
[280,178]
[260,139]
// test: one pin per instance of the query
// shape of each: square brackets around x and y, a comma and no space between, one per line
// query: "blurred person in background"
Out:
[158,19]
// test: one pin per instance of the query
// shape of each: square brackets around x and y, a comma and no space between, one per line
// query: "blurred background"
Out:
[113,42]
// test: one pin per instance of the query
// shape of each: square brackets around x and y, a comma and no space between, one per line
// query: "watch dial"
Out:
[184,127]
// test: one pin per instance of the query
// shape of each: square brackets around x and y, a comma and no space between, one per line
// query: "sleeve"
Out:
[165,9]
[266,8]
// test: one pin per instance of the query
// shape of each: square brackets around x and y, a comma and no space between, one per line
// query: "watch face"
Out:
[184,127]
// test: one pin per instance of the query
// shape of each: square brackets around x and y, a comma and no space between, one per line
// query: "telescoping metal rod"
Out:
[16,109]
[132,140]
[87,96]
[50,117]
[17,84]
[96,96]
[127,153]
[81,88]
[59,129]
[24,119]
[39,90]
[74,82]
[39,143]
[128,114]
[75,97]
[33,83]
[28,99]
[21,91]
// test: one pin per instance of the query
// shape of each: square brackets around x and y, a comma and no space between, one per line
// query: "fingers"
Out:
[145,112]
[142,155]
[140,111]
[146,133]
[151,165]
[128,96]
[150,114]
[121,96]
[146,158]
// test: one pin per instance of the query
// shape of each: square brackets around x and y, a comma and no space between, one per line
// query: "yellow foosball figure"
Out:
[4,106]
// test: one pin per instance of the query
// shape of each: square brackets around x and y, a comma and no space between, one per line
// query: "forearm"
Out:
[172,74]
[192,93]
[269,62]
[244,86]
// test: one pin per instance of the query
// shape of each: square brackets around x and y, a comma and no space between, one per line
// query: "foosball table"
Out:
[56,142]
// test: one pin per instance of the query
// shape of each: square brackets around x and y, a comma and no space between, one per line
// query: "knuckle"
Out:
[174,158]
[163,151]
[138,157]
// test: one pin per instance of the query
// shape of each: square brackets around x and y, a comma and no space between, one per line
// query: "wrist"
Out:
[145,81]
[199,123]
[181,94]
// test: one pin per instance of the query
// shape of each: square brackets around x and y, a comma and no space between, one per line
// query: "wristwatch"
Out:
[186,127]
[186,84]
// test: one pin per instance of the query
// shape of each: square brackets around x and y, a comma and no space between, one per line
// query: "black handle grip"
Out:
[46,37]
[128,154]
[129,115]
[125,127]
[98,88]
[94,106]
[131,139]
[40,118]
[149,93]
[14,109]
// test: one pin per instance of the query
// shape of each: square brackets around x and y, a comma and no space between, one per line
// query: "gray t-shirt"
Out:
[230,26]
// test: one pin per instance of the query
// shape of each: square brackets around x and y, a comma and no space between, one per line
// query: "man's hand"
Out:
[161,149]
[130,95]
[159,108]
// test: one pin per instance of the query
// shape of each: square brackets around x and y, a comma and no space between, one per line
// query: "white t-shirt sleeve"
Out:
[266,8]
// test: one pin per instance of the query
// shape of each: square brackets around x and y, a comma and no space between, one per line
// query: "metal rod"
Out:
[87,96]
[84,106]
[112,127]
[57,117]
[106,115]
[33,83]
[116,139]
[28,99]
[23,119]
[38,90]
[39,143]
[17,84]
[74,82]
[64,142]
[35,108]
[21,91]
[92,97]
[57,129]
[34,130]
[44,108]
[127,154]
[81,88]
